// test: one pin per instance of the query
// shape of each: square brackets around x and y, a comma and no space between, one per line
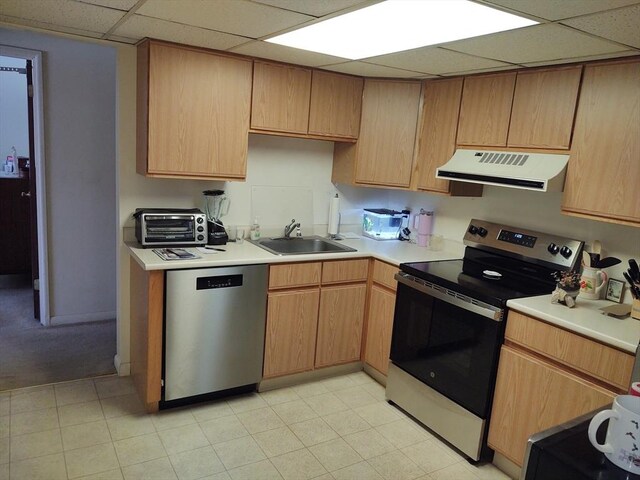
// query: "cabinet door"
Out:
[198,113]
[290,338]
[280,99]
[486,109]
[340,324]
[604,172]
[437,135]
[544,106]
[336,104]
[531,396]
[378,346]
[387,132]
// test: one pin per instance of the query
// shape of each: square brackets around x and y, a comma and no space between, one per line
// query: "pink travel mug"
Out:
[422,222]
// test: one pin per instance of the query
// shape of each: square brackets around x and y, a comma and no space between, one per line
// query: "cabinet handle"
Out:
[25,194]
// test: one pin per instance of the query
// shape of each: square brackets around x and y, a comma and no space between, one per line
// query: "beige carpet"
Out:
[31,354]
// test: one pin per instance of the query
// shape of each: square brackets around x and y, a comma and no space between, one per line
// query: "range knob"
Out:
[199,220]
[482,232]
[200,228]
[200,238]
[565,251]
[553,248]
[472,229]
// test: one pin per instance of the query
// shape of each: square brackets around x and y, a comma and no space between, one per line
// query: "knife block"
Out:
[635,309]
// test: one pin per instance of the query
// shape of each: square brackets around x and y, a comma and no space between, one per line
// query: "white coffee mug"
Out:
[622,444]
[592,283]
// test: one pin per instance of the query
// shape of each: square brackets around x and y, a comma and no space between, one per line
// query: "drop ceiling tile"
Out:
[480,70]
[239,17]
[626,53]
[621,25]
[370,70]
[125,5]
[316,8]
[282,53]
[534,44]
[119,39]
[138,27]
[560,9]
[47,26]
[63,13]
[433,60]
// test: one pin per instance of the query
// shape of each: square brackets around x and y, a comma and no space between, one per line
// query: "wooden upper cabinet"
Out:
[544,106]
[336,103]
[281,95]
[193,113]
[383,154]
[436,141]
[486,109]
[604,169]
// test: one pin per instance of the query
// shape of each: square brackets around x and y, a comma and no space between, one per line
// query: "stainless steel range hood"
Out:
[542,172]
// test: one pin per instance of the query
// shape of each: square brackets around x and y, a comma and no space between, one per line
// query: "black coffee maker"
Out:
[216,205]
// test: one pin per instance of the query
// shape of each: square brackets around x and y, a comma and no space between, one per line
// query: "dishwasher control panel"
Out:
[219,281]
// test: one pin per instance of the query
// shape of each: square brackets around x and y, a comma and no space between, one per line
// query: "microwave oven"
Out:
[170,227]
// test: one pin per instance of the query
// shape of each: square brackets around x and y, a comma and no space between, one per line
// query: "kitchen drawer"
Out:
[383,274]
[342,271]
[585,355]
[294,275]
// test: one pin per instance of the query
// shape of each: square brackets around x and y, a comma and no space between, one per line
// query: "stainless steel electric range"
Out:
[449,324]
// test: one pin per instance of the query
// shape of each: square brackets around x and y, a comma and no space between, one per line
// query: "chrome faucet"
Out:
[290,228]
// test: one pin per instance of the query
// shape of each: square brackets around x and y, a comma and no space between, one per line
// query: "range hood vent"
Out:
[542,172]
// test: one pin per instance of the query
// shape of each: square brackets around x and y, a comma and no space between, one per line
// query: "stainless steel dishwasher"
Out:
[214,329]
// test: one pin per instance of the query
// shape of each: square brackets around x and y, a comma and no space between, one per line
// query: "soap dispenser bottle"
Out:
[255,230]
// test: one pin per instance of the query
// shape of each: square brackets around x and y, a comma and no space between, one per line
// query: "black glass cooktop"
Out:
[475,276]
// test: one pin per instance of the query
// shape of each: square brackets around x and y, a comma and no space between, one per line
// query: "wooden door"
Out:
[532,395]
[604,171]
[336,104]
[387,133]
[280,100]
[379,328]
[340,324]
[544,106]
[290,338]
[198,113]
[485,109]
[15,242]
[436,141]
[33,197]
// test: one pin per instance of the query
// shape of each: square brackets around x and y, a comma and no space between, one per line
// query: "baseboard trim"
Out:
[375,374]
[82,318]
[507,466]
[304,377]
[123,368]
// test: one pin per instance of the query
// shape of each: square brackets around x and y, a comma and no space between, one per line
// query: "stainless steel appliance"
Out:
[214,330]
[170,227]
[449,324]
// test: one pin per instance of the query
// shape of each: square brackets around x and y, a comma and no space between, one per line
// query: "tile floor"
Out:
[339,428]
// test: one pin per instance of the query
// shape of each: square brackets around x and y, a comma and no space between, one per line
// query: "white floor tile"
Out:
[31,399]
[453,472]
[90,460]
[75,392]
[376,390]
[5,448]
[311,389]
[172,418]
[218,476]
[346,423]
[338,383]
[239,452]
[196,464]
[356,397]
[335,454]
[35,421]
[35,445]
[5,425]
[114,386]
[85,435]
[223,429]
[314,431]
[404,432]
[48,467]
[159,469]
[369,443]
[263,470]
[139,449]
[430,455]
[359,471]
[244,403]
[278,441]
[298,465]
[294,412]
[281,395]
[182,439]
[485,471]
[110,475]
[130,426]
[378,413]
[5,406]
[396,466]
[121,405]
[361,378]
[260,420]
[326,404]
[209,411]
[78,413]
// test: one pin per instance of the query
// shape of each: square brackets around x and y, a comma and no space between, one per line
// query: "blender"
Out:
[216,205]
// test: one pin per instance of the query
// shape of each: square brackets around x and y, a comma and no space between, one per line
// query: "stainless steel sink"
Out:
[301,245]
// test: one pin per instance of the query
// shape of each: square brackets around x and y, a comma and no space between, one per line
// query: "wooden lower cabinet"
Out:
[532,395]
[340,324]
[290,338]
[378,345]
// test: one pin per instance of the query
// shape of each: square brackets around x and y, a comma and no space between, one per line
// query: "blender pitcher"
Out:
[216,205]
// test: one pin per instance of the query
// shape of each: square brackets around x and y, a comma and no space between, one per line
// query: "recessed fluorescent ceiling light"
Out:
[397,25]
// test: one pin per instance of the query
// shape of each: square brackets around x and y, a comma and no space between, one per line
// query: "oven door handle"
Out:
[449,296]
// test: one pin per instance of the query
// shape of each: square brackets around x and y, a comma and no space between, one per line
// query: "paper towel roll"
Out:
[334,215]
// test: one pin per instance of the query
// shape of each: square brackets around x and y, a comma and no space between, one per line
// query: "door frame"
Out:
[41,208]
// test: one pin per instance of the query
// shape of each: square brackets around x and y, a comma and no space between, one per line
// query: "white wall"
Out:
[79,121]
[14,126]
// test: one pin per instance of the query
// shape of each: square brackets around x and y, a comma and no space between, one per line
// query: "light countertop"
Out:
[585,318]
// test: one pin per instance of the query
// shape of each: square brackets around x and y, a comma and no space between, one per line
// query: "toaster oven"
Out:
[170,227]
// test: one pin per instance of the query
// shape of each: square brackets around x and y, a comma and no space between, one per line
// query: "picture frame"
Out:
[615,290]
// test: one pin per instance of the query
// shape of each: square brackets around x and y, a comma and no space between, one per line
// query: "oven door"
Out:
[447,341]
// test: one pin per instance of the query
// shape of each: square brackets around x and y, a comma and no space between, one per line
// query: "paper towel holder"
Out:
[337,236]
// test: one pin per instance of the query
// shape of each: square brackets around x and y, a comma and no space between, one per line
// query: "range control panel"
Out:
[544,248]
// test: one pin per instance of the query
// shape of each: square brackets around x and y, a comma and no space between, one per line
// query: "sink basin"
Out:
[301,245]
